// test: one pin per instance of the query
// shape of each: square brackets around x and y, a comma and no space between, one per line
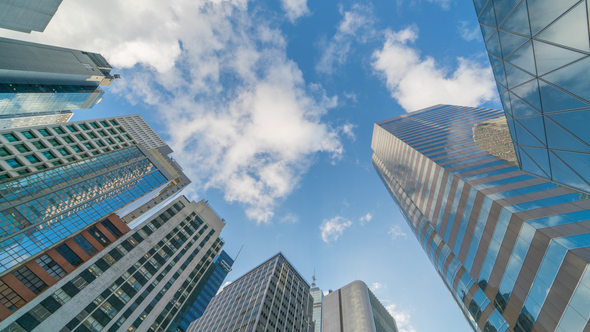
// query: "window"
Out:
[79,282]
[95,152]
[120,293]
[59,130]
[88,146]
[40,313]
[76,148]
[28,134]
[44,132]
[92,135]
[41,167]
[57,163]
[49,265]
[92,324]
[97,234]
[83,155]
[29,279]
[4,152]
[106,150]
[14,163]
[99,143]
[63,152]
[94,125]
[48,154]
[102,133]
[114,230]
[127,137]
[23,171]
[39,146]
[61,296]
[94,269]
[104,123]
[109,310]
[32,159]
[119,139]
[68,139]
[113,122]
[110,141]
[116,147]
[111,131]
[81,137]
[71,159]
[121,130]
[84,127]
[72,128]
[21,148]
[53,142]
[11,137]
[85,245]
[9,298]
[4,177]
[69,255]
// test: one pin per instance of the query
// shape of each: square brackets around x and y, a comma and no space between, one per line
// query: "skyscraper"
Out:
[354,308]
[273,296]
[58,179]
[27,15]
[318,296]
[137,282]
[207,288]
[540,54]
[513,249]
[36,78]
[34,119]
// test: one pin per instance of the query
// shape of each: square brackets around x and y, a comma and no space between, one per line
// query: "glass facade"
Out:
[210,285]
[540,54]
[318,296]
[27,15]
[512,248]
[271,297]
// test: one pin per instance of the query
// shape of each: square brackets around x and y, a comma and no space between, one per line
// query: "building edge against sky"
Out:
[513,249]
[27,15]
[540,55]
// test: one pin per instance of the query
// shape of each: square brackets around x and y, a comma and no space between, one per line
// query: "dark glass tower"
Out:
[540,54]
[513,249]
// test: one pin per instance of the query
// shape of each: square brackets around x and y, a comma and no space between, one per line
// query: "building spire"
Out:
[313,283]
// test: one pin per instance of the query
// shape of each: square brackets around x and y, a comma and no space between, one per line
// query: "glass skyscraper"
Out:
[354,308]
[27,15]
[204,292]
[318,298]
[512,248]
[271,297]
[540,54]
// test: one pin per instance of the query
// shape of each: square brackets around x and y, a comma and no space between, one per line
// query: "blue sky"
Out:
[270,106]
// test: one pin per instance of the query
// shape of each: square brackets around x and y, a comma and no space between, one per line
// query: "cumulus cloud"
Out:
[377,286]
[356,26]
[366,218]
[235,109]
[331,229]
[402,317]
[295,8]
[444,4]
[227,283]
[290,218]
[469,32]
[417,82]
[396,233]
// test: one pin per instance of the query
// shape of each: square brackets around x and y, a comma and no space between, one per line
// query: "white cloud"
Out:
[377,286]
[469,32]
[331,229]
[290,218]
[235,109]
[366,218]
[356,25]
[417,82]
[396,232]
[347,129]
[444,4]
[227,283]
[295,8]
[402,318]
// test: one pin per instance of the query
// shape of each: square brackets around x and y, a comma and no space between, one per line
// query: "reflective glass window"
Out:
[95,152]
[76,148]
[61,296]
[4,152]
[113,122]
[99,143]
[29,279]
[83,126]
[127,137]
[28,134]
[121,130]
[14,163]
[101,238]
[68,139]
[9,298]
[102,133]
[39,145]
[110,141]
[54,142]
[49,265]
[81,137]
[32,159]
[112,132]
[21,148]
[85,245]
[48,154]
[44,132]
[88,146]
[11,137]
[40,167]
[114,230]
[71,159]
[104,123]
[57,163]
[106,150]
[83,155]
[72,128]
[94,125]
[92,135]
[63,152]
[59,130]
[23,171]
[118,139]
[69,255]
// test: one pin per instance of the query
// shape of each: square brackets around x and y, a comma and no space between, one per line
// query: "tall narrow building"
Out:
[318,296]
[136,281]
[354,308]
[512,248]
[540,54]
[271,297]
[27,15]
[56,180]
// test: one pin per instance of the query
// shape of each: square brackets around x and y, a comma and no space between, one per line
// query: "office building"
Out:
[137,282]
[512,248]
[207,288]
[56,180]
[271,297]
[36,78]
[540,54]
[33,119]
[27,15]
[354,308]
[318,295]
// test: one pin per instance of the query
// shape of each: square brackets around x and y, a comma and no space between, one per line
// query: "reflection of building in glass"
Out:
[540,54]
[512,248]
[354,308]
[31,119]
[208,287]
[58,179]
[27,15]
[273,296]
[112,278]
[36,78]
[494,137]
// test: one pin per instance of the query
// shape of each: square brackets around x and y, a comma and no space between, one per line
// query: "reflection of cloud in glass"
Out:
[494,137]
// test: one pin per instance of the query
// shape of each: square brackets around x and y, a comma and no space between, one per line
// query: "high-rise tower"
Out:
[27,15]
[540,54]
[273,296]
[318,299]
[513,249]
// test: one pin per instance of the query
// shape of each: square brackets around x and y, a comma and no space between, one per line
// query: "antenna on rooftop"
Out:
[313,283]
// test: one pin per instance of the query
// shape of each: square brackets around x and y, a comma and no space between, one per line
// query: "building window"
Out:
[104,123]
[32,159]
[9,298]
[92,324]
[63,152]
[81,137]
[69,255]
[85,245]
[61,296]
[48,155]
[88,146]
[29,279]
[57,163]
[71,159]
[28,134]
[119,139]
[110,141]
[92,135]
[54,142]
[83,155]
[121,130]
[76,148]
[59,130]
[21,148]
[44,132]
[40,167]
[102,133]
[111,131]
[40,313]
[72,128]
[4,152]
[103,240]
[99,143]
[113,122]
[11,137]
[14,163]
[68,139]
[94,125]
[83,126]
[39,145]
[49,265]
[114,230]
